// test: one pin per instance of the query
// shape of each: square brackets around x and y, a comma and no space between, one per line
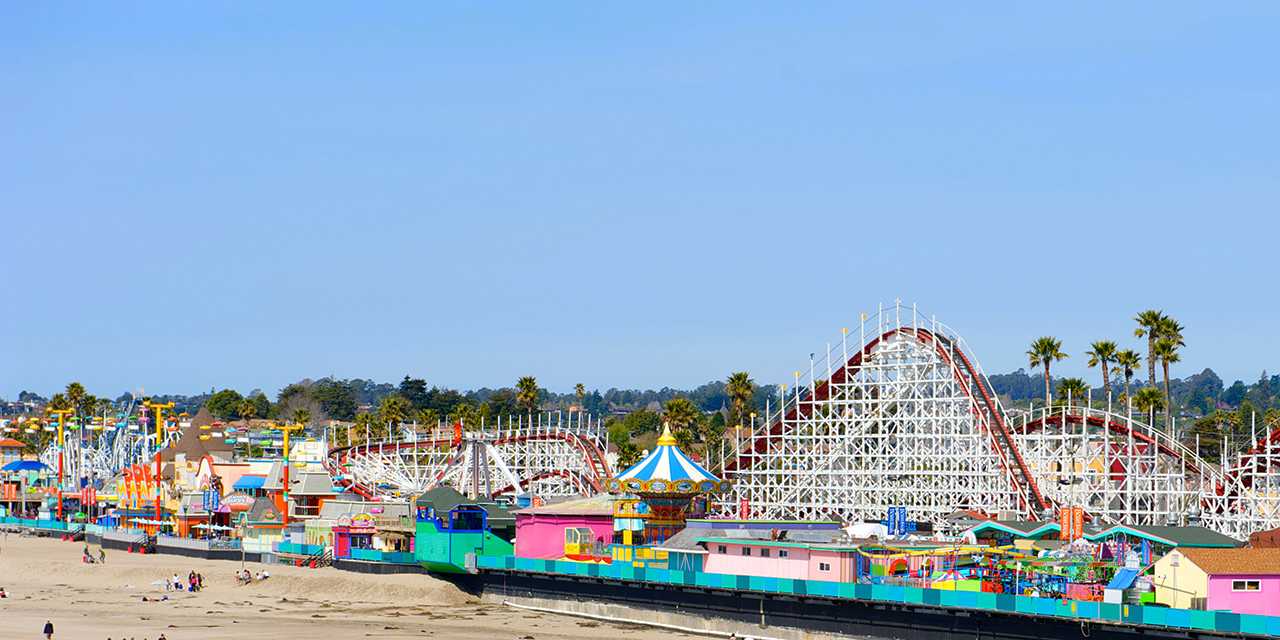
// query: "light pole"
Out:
[62,416]
[159,408]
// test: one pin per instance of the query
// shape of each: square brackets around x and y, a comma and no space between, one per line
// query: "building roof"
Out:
[248,482]
[275,476]
[311,483]
[597,505]
[10,443]
[264,511]
[443,498]
[190,445]
[687,539]
[1235,561]
[1017,528]
[334,509]
[1171,536]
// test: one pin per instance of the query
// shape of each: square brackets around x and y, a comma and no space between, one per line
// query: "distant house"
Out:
[10,450]
[1238,580]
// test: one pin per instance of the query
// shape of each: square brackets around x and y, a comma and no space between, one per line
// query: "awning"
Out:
[249,482]
[25,465]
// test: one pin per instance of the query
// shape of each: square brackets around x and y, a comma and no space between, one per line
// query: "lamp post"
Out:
[159,408]
[62,416]
[285,429]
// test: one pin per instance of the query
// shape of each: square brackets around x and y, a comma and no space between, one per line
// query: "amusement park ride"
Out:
[904,417]
[548,454]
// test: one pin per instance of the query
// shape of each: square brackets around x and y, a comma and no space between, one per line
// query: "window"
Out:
[720,549]
[1246,585]
[823,566]
[782,553]
[746,551]
[764,553]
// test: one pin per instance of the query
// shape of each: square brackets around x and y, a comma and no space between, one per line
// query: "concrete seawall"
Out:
[718,612]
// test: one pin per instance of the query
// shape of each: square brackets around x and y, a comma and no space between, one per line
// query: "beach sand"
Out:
[46,581]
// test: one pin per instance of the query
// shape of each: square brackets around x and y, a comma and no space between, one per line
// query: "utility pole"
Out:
[62,417]
[159,408]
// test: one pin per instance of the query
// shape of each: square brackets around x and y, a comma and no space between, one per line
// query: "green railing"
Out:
[293,548]
[1216,621]
[394,557]
[45,525]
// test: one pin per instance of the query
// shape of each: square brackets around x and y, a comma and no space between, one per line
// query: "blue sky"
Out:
[657,194]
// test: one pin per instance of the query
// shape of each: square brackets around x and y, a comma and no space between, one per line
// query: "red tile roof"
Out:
[10,443]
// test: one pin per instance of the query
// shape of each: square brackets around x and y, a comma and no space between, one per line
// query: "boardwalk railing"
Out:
[1182,619]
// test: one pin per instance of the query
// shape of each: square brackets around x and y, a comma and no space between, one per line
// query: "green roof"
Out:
[1170,536]
[1018,528]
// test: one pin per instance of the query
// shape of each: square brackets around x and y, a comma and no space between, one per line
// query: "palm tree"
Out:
[364,424]
[682,416]
[76,396]
[393,409]
[1166,350]
[301,416]
[247,410]
[741,390]
[465,413]
[580,390]
[1044,351]
[1103,353]
[1073,389]
[104,407]
[1128,360]
[1148,400]
[527,393]
[428,417]
[1149,328]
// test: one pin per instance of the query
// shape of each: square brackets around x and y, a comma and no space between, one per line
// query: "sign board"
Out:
[238,501]
[210,500]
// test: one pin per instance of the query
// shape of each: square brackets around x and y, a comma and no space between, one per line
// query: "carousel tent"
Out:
[667,462]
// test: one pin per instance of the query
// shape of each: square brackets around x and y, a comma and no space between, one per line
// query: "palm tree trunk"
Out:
[1168,401]
[1046,383]
[1151,357]
[1106,382]
[1127,398]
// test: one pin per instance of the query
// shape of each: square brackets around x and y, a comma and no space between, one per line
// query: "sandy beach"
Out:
[46,580]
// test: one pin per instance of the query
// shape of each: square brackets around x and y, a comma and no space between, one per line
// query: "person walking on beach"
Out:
[48,630]
[102,556]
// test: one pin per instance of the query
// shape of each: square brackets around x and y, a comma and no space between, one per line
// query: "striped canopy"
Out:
[666,469]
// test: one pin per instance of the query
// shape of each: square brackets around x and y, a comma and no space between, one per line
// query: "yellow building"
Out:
[1179,582]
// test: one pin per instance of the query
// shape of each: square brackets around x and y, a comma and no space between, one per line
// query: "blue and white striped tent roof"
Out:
[667,462]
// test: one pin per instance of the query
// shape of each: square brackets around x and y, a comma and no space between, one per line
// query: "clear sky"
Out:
[623,194]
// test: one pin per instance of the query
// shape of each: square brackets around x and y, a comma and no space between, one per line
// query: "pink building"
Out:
[769,559]
[540,530]
[1240,580]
